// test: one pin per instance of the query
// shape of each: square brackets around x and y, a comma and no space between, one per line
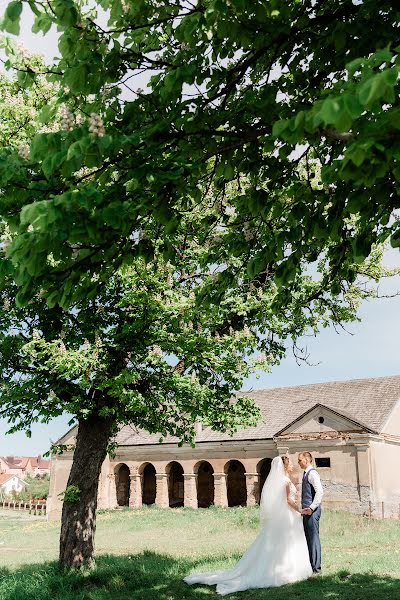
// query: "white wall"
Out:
[13,484]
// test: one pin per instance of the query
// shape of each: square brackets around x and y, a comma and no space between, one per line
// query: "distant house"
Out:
[39,465]
[24,466]
[352,429]
[11,483]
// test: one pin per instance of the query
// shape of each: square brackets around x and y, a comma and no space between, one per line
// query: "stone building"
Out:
[352,429]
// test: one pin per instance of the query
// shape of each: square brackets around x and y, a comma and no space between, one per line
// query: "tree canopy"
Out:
[283,114]
[155,240]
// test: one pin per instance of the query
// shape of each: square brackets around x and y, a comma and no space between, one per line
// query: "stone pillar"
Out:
[220,491]
[162,499]
[363,473]
[135,496]
[252,488]
[190,490]
[112,486]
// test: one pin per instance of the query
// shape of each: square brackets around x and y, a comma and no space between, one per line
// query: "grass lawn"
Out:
[143,554]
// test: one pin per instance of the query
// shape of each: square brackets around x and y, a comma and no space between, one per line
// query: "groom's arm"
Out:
[315,481]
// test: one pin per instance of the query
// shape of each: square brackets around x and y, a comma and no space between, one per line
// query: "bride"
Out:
[279,554]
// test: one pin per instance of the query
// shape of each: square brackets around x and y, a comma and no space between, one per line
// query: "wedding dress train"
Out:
[278,555]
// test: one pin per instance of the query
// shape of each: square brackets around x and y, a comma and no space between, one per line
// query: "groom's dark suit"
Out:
[311,523]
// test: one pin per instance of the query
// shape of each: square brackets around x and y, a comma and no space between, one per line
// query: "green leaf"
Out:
[357,155]
[228,172]
[45,114]
[66,12]
[372,90]
[14,10]
[52,299]
[279,127]
[39,147]
[395,239]
[74,150]
[354,66]
[330,111]
[42,23]
[76,78]
[391,76]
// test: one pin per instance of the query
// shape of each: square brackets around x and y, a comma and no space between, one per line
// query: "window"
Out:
[323,462]
[321,420]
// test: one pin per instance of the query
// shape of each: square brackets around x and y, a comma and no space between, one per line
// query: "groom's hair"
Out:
[307,455]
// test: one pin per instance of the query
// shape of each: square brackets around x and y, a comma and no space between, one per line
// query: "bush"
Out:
[37,487]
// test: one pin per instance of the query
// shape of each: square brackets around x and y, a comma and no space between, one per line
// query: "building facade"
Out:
[24,466]
[10,484]
[352,428]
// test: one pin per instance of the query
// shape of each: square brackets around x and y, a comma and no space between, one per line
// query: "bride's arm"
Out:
[291,503]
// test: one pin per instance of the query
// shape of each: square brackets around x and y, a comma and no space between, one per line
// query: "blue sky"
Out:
[371,350]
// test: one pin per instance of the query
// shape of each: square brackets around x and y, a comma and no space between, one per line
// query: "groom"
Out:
[311,496]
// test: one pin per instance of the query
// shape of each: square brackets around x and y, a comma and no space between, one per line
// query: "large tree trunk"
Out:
[78,523]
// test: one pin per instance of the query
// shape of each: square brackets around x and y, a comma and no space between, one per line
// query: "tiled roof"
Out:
[39,463]
[5,477]
[369,401]
[16,462]
[21,462]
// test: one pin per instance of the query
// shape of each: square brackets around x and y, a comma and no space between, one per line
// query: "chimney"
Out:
[198,427]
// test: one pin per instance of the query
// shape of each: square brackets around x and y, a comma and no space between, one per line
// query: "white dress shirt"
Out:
[315,481]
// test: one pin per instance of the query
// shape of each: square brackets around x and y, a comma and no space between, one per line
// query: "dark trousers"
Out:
[311,530]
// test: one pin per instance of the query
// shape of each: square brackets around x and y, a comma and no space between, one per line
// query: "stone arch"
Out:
[122,484]
[205,484]
[176,484]
[147,474]
[236,483]
[263,469]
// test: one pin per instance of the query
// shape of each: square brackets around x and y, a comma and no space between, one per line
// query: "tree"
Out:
[143,353]
[154,243]
[140,349]
[250,94]
[37,487]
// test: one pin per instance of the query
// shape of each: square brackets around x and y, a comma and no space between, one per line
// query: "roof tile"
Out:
[367,400]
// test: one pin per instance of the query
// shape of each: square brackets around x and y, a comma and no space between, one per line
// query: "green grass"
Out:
[143,554]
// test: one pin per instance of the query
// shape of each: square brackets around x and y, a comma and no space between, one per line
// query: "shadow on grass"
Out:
[151,576]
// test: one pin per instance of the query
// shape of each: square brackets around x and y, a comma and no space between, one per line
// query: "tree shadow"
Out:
[152,576]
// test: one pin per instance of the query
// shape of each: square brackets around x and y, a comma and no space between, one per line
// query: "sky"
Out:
[370,349]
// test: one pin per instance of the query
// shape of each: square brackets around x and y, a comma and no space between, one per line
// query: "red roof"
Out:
[21,462]
[5,477]
[39,462]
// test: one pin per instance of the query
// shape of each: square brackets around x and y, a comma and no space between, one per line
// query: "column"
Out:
[112,486]
[220,492]
[252,488]
[135,496]
[162,499]
[190,490]
[363,473]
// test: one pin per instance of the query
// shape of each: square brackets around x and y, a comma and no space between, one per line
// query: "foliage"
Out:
[155,240]
[72,493]
[139,339]
[38,487]
[242,105]
[141,348]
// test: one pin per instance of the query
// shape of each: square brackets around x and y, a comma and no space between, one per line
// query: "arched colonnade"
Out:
[201,485]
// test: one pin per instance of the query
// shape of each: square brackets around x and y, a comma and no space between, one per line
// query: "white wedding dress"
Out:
[278,555]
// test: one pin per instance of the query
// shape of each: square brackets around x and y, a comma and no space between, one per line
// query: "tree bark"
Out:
[78,524]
